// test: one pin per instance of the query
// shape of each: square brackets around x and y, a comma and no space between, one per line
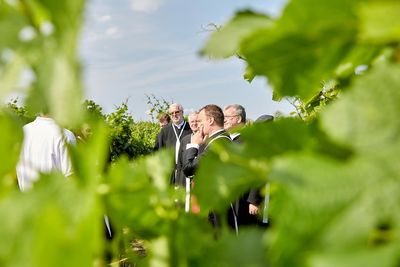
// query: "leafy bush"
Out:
[128,137]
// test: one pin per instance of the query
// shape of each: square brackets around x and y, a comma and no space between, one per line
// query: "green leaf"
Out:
[312,42]
[11,139]
[55,212]
[296,63]
[366,118]
[244,250]
[57,90]
[379,21]
[38,13]
[143,184]
[10,75]
[65,91]
[90,156]
[340,208]
[225,174]
[249,74]
[359,55]
[176,246]
[346,211]
[11,22]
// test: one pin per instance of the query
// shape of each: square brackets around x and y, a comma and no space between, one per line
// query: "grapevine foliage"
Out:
[334,177]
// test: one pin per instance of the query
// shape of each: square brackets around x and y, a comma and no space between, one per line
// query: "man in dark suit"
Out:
[247,206]
[254,195]
[211,129]
[171,135]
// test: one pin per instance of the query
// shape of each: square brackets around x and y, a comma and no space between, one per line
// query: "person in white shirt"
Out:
[44,150]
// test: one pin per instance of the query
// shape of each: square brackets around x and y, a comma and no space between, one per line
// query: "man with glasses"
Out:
[234,117]
[247,206]
[171,135]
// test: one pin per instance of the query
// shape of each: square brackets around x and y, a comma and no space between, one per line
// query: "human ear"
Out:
[211,121]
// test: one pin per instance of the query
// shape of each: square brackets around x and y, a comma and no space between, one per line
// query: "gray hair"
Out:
[179,106]
[239,110]
[193,113]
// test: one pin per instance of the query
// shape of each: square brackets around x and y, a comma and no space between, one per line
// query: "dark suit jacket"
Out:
[167,137]
[242,204]
[191,156]
[180,178]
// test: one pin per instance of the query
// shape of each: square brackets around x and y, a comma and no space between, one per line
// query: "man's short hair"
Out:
[179,106]
[214,112]
[239,110]
[193,113]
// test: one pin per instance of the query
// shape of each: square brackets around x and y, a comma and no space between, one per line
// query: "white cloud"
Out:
[146,6]
[113,32]
[154,71]
[104,18]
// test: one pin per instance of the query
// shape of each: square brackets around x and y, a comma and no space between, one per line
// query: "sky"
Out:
[133,48]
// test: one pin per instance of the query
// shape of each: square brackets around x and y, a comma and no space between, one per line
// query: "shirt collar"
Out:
[216,132]
[179,125]
[234,135]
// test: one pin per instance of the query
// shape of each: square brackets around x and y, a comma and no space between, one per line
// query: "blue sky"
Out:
[131,48]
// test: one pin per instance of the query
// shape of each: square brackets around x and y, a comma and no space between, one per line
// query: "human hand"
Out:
[195,205]
[198,138]
[253,209]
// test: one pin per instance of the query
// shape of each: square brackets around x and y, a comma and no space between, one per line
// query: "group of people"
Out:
[191,139]
[45,148]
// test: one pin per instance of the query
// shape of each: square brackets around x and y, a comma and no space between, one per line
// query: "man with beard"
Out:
[171,135]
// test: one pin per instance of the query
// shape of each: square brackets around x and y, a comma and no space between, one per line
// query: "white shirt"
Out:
[234,135]
[43,150]
[179,125]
